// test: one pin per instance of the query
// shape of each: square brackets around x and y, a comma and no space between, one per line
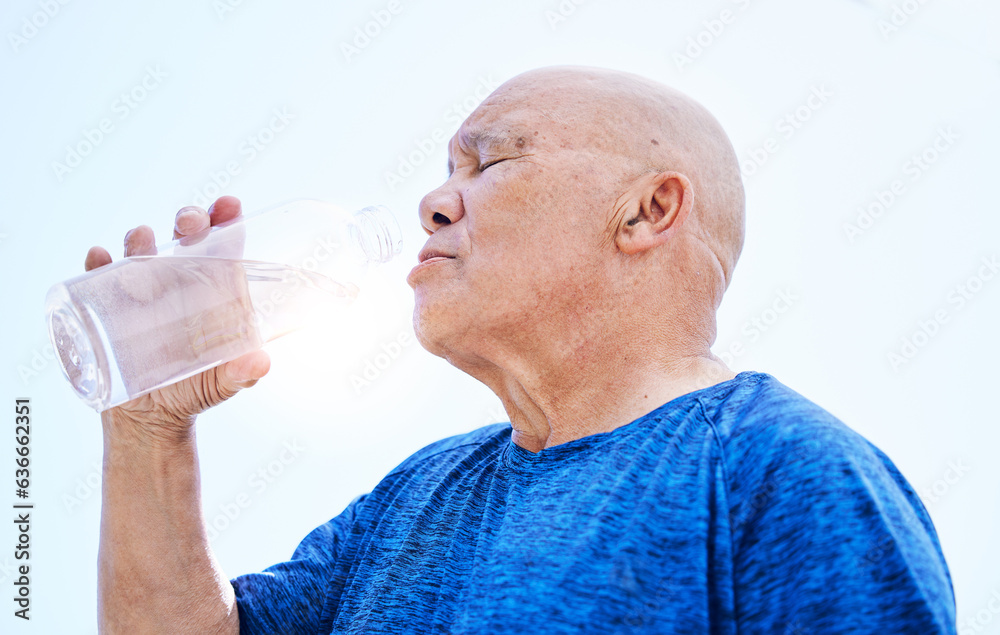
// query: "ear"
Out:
[656,206]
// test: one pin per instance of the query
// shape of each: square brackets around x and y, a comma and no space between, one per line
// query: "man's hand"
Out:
[169,411]
[156,571]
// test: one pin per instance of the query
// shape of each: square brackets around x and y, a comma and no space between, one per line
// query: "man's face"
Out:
[517,242]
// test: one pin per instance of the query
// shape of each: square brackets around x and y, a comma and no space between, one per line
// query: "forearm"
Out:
[156,569]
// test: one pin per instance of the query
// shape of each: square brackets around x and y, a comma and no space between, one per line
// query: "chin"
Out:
[428,330]
[447,333]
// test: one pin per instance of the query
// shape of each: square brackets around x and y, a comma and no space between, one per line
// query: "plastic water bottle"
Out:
[145,322]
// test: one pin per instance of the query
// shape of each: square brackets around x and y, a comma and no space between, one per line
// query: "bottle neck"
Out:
[377,233]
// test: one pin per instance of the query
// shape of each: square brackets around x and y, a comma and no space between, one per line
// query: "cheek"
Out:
[509,215]
[526,238]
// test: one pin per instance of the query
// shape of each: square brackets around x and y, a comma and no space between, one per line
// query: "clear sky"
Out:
[868,133]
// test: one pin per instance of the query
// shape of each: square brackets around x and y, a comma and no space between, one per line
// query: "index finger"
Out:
[191,221]
[96,257]
[216,233]
[225,208]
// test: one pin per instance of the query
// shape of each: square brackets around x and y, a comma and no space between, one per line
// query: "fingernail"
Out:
[187,221]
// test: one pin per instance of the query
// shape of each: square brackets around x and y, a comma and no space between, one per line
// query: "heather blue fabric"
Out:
[742,507]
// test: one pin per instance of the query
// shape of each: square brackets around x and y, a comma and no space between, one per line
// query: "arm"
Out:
[156,571]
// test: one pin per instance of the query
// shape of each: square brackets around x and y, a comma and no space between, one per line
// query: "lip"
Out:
[429,252]
[425,264]
[434,259]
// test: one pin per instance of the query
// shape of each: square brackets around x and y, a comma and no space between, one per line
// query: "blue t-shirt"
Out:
[742,507]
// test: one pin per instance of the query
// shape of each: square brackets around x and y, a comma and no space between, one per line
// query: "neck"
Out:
[554,399]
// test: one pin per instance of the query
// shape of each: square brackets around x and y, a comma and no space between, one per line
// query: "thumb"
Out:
[242,372]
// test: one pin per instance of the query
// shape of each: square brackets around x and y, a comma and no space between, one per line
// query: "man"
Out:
[577,255]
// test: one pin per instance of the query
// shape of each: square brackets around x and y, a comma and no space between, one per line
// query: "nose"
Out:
[441,207]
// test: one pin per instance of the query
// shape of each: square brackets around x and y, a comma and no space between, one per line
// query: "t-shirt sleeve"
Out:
[288,597]
[828,537]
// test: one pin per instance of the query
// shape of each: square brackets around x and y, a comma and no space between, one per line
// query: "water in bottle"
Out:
[145,322]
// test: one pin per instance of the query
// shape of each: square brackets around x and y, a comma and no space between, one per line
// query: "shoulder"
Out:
[452,450]
[790,463]
[780,449]
[758,403]
[425,465]
[813,501]
[761,420]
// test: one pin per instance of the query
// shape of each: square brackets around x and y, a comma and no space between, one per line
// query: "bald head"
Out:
[580,248]
[579,200]
[638,127]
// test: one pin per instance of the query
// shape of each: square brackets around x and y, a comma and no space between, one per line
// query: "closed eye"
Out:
[488,164]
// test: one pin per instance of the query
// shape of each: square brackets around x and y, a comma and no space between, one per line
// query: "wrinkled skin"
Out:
[592,220]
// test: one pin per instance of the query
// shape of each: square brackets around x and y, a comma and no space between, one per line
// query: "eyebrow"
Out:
[482,138]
